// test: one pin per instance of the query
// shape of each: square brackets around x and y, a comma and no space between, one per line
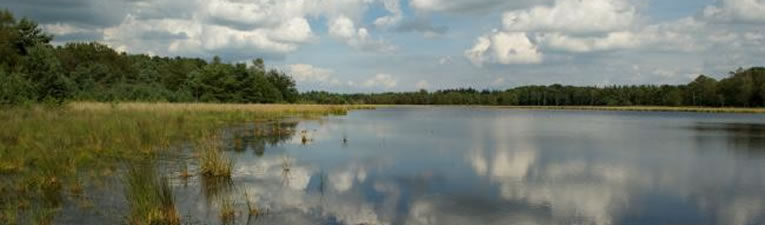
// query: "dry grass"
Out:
[213,107]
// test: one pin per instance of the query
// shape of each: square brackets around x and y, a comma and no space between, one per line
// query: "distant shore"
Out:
[645,109]
[614,108]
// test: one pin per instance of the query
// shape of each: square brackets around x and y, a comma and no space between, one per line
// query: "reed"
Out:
[213,161]
[150,198]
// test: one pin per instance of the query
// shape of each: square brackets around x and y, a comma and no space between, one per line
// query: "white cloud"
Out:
[343,28]
[748,11]
[383,80]
[572,16]
[306,72]
[578,26]
[395,17]
[218,26]
[504,48]
[462,6]
[615,40]
[63,28]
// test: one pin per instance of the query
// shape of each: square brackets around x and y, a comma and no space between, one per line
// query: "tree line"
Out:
[32,70]
[743,88]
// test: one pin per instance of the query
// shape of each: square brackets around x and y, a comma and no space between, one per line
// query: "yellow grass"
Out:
[215,107]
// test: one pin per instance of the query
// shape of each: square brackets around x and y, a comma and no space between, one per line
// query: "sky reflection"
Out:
[417,165]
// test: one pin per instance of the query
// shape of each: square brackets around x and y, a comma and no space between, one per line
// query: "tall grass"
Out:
[44,149]
[150,197]
[213,161]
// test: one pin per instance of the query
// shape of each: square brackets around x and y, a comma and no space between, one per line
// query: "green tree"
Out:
[703,91]
[47,75]
[14,88]
[30,35]
[284,84]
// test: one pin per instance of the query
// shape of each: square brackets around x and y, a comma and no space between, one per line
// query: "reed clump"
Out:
[150,197]
[213,161]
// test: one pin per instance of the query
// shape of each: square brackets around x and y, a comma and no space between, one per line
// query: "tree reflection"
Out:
[739,137]
[257,137]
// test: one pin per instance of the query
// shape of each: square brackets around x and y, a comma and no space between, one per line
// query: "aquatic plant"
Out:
[150,197]
[213,161]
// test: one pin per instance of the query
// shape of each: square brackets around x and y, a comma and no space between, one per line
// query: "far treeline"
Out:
[33,71]
[743,88]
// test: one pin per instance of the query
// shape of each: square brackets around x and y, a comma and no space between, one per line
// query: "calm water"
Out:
[455,165]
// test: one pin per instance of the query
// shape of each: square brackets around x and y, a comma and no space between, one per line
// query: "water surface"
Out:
[460,165]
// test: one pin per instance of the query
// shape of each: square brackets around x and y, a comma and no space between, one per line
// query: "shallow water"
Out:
[459,165]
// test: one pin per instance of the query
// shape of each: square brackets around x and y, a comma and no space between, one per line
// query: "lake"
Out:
[469,165]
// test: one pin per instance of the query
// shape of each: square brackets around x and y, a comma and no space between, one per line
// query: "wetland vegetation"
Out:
[50,155]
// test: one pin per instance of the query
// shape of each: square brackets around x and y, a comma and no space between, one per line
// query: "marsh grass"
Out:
[213,161]
[44,150]
[150,197]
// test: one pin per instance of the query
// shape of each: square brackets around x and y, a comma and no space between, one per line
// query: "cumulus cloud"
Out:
[236,30]
[747,11]
[233,29]
[394,7]
[504,48]
[572,16]
[381,80]
[68,32]
[579,26]
[343,28]
[306,72]
[469,6]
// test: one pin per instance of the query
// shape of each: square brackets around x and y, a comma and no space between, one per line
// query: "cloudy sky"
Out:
[395,45]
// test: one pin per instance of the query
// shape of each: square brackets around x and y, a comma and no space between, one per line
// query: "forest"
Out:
[743,88]
[32,70]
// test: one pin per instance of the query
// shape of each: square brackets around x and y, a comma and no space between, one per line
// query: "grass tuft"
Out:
[213,161]
[150,197]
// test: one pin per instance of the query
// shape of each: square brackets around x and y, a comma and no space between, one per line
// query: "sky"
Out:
[407,45]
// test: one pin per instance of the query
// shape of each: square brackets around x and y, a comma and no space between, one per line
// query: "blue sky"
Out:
[402,45]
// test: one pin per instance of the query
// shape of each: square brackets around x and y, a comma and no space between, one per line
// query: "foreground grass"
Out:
[150,197]
[49,153]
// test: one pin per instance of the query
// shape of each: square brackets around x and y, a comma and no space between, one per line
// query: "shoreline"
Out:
[735,110]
